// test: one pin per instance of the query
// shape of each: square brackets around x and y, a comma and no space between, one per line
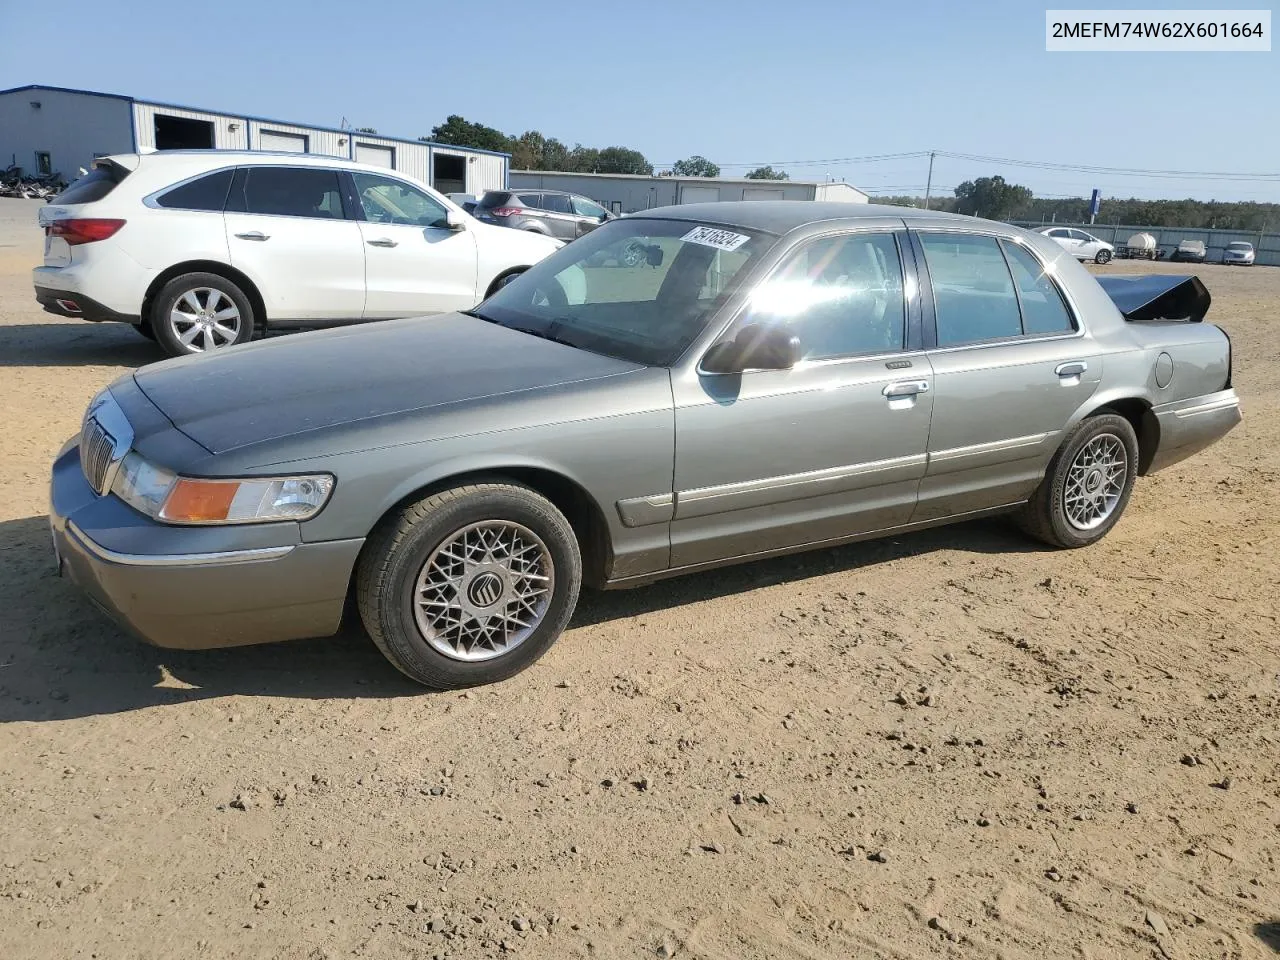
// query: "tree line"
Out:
[532,150]
[996,199]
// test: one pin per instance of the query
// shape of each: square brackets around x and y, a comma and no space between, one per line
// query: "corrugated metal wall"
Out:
[488,172]
[70,127]
[326,143]
[413,159]
[224,138]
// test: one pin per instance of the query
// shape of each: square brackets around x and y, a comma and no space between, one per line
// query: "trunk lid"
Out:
[1158,296]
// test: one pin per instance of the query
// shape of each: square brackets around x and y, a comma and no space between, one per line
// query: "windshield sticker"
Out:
[711,237]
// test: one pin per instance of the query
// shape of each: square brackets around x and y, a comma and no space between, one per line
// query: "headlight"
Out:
[162,494]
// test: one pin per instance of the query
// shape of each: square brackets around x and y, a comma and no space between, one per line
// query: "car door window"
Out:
[288,192]
[384,200]
[841,296]
[585,208]
[973,293]
[556,203]
[207,193]
[1043,309]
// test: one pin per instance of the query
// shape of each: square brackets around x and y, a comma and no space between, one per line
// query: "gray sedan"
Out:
[766,378]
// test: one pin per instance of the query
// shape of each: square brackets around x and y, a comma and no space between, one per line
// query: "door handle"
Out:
[383,242]
[906,388]
[1071,369]
[253,235]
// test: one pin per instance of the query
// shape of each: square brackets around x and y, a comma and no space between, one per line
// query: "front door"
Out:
[832,448]
[589,214]
[288,230]
[1011,366]
[414,263]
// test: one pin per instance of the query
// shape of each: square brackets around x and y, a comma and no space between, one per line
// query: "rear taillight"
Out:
[84,230]
[510,212]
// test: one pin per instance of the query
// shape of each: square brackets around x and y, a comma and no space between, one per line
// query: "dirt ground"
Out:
[953,744]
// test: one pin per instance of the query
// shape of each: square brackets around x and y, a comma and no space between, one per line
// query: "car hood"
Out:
[306,382]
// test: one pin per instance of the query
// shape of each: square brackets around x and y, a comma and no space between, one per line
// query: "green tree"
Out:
[767,173]
[623,160]
[584,159]
[556,156]
[993,198]
[695,166]
[460,132]
[528,151]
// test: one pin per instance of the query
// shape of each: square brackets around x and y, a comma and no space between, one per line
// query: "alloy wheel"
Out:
[1095,482]
[484,590]
[205,319]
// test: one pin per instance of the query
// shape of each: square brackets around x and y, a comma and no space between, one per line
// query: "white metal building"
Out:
[627,193]
[53,129]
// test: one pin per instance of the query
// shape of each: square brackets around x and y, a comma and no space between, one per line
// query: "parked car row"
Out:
[1085,246]
[679,389]
[201,250]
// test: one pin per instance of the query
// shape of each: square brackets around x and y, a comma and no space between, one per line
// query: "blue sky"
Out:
[742,82]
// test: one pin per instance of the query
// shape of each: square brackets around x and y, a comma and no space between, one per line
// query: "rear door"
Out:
[414,263]
[287,228]
[1011,364]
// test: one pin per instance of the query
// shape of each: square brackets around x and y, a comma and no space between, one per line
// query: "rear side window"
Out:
[287,192]
[206,193]
[973,291]
[93,186]
[531,200]
[1043,310]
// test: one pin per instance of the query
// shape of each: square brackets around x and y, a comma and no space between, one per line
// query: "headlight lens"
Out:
[161,494]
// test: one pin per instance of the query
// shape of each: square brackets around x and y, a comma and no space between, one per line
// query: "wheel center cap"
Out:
[1094,481]
[485,590]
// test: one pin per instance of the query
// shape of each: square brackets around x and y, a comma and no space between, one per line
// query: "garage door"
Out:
[762,193]
[284,142]
[699,194]
[377,155]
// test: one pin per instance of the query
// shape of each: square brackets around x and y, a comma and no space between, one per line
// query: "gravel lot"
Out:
[953,743]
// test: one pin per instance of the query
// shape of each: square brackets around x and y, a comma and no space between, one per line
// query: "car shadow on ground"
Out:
[80,344]
[1269,934]
[61,658]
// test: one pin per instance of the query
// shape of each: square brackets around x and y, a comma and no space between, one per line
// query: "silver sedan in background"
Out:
[767,377]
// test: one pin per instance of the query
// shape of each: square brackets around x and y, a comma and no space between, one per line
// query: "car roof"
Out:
[783,216]
[213,159]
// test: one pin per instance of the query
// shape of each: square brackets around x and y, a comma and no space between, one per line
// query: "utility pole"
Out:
[928,185]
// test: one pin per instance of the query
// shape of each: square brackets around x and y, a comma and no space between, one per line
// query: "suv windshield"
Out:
[638,290]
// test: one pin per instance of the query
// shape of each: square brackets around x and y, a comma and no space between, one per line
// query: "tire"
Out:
[191,295]
[144,329]
[503,280]
[426,641]
[1047,515]
[1102,256]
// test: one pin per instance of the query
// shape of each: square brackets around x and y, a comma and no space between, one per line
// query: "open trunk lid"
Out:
[1158,297]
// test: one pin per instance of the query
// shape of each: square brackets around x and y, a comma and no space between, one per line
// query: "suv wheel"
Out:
[201,313]
[470,585]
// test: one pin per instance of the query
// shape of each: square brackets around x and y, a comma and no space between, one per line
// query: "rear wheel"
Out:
[201,313]
[470,585]
[1087,485]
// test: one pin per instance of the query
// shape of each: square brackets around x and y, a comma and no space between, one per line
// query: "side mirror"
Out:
[454,222]
[755,347]
[605,215]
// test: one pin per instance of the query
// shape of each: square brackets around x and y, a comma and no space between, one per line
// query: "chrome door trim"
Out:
[996,446]
[704,501]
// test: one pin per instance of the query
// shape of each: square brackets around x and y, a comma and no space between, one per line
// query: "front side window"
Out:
[639,290]
[973,291]
[288,192]
[556,203]
[1043,309]
[585,208]
[391,201]
[841,296]
[207,193]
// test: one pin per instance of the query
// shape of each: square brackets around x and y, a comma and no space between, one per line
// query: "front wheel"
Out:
[1103,256]
[471,585]
[201,313]
[1087,485]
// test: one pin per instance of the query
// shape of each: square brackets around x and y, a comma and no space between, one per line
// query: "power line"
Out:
[1122,171]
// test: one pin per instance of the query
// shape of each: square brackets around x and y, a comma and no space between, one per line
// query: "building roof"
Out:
[248,117]
[746,181]
[783,216]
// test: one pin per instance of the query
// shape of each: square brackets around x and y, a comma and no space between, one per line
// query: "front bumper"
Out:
[195,587]
[1188,426]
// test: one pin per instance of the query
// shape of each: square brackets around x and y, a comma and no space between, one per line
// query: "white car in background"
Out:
[1239,252]
[203,249]
[1081,245]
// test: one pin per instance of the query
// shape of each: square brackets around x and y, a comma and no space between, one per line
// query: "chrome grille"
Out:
[97,450]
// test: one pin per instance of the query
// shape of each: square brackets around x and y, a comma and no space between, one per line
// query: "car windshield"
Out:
[635,289]
[1240,247]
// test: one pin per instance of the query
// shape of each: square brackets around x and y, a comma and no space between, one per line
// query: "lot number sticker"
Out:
[711,237]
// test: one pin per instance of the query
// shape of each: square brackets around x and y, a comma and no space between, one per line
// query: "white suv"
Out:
[203,249]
